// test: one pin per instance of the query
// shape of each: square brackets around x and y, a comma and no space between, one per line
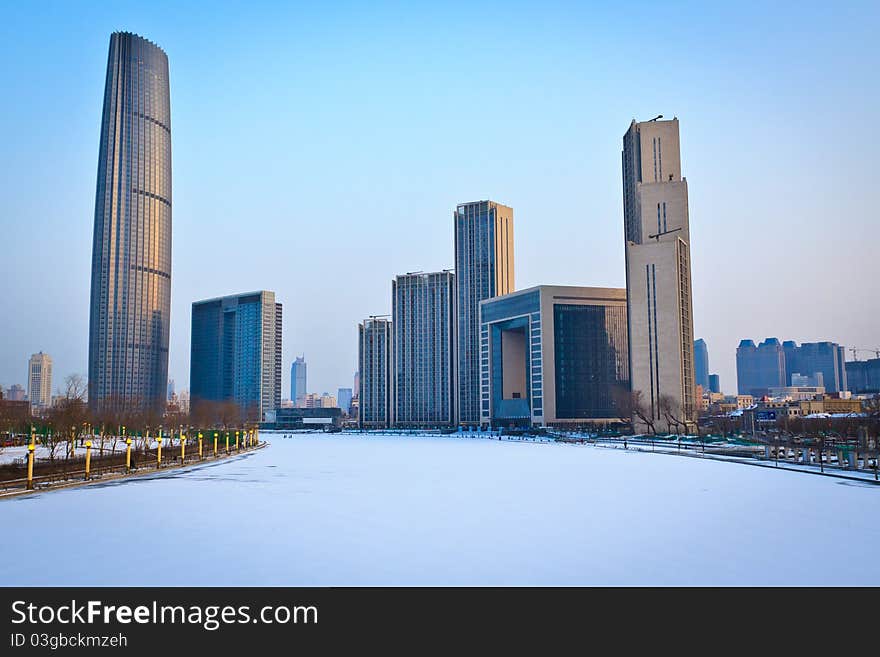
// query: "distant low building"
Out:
[291,419]
[797,393]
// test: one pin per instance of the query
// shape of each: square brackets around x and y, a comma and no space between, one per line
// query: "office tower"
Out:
[863,376]
[235,354]
[701,364]
[343,399]
[16,392]
[658,268]
[131,250]
[813,358]
[298,373]
[759,368]
[170,393]
[423,362]
[483,269]
[714,383]
[554,356]
[40,382]
[374,373]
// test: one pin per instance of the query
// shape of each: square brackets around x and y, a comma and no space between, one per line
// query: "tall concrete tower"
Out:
[658,270]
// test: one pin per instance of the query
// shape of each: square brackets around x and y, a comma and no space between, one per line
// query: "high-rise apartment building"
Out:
[236,353]
[298,378]
[658,268]
[131,250]
[483,269]
[374,373]
[40,382]
[423,361]
[701,363]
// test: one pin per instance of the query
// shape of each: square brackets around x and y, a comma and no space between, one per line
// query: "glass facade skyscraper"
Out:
[483,269]
[298,378]
[759,368]
[701,364]
[423,362]
[131,251]
[236,353]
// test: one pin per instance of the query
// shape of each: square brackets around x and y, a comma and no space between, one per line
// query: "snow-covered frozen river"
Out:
[353,510]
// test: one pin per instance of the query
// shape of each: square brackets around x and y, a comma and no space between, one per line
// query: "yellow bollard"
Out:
[200,445]
[30,481]
[88,458]
[227,442]
[182,448]
[236,442]
[128,454]
[159,453]
[215,444]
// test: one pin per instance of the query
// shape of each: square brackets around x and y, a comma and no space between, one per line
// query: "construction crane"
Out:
[855,352]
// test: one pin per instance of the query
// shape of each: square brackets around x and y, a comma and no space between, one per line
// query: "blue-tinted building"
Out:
[701,363]
[236,354]
[813,358]
[130,305]
[343,399]
[714,383]
[483,269]
[759,368]
[298,378]
[423,361]
[554,356]
[863,376]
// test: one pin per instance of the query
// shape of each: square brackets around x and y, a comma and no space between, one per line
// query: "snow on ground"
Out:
[381,510]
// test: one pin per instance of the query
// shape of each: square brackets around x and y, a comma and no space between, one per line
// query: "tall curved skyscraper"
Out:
[131,252]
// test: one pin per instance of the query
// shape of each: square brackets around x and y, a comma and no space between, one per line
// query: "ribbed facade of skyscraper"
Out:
[423,362]
[483,269]
[131,252]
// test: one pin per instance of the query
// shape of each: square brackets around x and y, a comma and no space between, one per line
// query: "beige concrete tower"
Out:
[658,271]
[40,382]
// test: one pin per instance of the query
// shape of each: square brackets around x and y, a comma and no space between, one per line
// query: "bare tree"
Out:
[671,411]
[640,410]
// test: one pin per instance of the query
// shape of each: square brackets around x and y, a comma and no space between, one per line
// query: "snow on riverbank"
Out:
[360,510]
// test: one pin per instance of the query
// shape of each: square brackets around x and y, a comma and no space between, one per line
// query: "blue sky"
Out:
[318,150]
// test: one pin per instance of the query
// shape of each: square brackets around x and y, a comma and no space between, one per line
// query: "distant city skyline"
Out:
[553,154]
